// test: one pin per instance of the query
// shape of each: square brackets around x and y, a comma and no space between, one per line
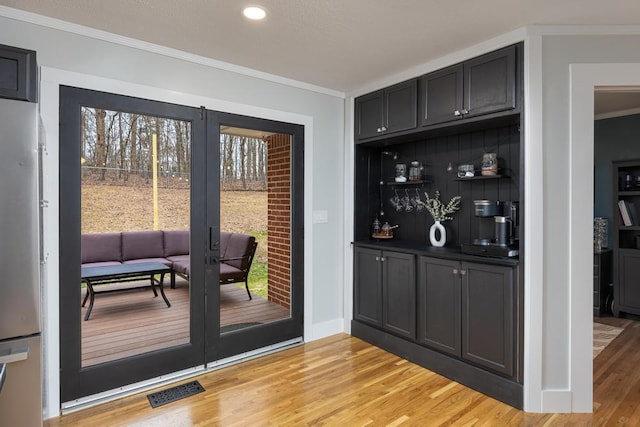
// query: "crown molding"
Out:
[620,113]
[583,30]
[57,24]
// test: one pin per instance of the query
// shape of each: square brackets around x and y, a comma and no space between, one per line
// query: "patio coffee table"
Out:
[102,275]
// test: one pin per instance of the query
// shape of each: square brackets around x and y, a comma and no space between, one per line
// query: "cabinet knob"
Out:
[377,258]
[455,271]
[384,129]
[457,113]
[382,259]
[463,272]
[465,111]
[379,130]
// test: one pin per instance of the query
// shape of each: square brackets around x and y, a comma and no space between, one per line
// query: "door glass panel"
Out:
[135,207]
[255,205]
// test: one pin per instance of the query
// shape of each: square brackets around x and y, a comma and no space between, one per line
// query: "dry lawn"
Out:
[108,208]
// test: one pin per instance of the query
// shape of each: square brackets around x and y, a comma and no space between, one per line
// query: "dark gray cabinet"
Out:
[488,316]
[387,111]
[626,236]
[18,74]
[441,96]
[467,310]
[602,264]
[367,305]
[439,296]
[384,290]
[628,291]
[483,85]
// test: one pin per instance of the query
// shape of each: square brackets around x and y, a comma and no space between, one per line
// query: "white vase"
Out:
[438,229]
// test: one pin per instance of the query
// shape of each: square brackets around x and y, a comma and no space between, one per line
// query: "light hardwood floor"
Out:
[343,381]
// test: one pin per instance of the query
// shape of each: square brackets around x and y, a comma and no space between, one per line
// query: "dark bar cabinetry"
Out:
[456,313]
[602,265]
[626,237]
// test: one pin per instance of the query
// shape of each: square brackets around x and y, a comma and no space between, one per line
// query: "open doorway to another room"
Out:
[616,181]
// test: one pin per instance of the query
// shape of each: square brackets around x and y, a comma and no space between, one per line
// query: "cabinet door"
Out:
[490,83]
[441,96]
[439,304]
[401,105]
[369,110]
[18,74]
[488,323]
[628,286]
[399,293]
[368,286]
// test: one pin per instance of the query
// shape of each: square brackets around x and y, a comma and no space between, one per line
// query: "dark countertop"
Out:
[447,252]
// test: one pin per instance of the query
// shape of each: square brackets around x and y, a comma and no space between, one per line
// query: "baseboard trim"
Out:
[556,401]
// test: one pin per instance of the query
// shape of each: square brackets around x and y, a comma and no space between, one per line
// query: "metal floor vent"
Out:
[174,393]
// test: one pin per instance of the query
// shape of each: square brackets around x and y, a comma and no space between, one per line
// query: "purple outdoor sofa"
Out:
[171,248]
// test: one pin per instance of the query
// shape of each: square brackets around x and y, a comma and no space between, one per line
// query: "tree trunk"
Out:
[101,147]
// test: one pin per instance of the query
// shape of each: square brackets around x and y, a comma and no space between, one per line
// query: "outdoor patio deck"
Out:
[129,323]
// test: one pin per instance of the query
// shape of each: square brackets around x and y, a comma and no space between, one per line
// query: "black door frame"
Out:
[244,340]
[206,344]
[77,381]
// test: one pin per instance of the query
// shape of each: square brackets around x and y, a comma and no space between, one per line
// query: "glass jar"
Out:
[489,164]
[415,171]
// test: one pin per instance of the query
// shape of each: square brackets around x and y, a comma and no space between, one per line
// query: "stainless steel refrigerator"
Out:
[20,321]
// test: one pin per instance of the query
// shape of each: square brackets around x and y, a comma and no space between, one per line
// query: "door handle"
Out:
[15,354]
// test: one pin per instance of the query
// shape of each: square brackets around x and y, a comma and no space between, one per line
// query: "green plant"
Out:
[437,209]
[259,273]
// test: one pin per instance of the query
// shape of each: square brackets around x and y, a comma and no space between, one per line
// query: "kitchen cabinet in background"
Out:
[387,111]
[483,85]
[385,290]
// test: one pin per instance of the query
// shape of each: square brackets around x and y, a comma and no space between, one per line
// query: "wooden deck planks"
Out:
[124,324]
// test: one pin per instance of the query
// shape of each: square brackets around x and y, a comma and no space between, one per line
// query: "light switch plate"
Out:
[320,217]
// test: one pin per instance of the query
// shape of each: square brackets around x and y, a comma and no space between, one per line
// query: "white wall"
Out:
[71,58]
[567,182]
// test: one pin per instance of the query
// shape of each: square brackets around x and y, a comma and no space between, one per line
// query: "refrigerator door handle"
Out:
[3,374]
[14,354]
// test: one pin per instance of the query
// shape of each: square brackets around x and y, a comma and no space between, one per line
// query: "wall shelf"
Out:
[408,183]
[478,178]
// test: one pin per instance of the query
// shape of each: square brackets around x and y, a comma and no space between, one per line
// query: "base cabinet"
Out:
[627,299]
[384,293]
[488,316]
[602,264]
[439,296]
[466,310]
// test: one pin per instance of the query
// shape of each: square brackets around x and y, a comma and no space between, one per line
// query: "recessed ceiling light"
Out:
[254,12]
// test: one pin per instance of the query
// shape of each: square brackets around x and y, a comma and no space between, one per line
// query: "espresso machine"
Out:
[498,229]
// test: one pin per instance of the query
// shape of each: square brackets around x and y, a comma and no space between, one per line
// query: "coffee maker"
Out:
[498,229]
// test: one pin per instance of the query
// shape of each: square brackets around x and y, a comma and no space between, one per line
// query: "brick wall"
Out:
[279,218]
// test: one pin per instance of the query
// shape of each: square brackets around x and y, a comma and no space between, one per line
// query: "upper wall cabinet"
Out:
[386,111]
[483,85]
[18,74]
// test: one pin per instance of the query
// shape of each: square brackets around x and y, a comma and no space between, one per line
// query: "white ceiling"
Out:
[336,44]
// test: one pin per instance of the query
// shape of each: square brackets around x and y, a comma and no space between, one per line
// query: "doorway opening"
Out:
[617,123]
[181,239]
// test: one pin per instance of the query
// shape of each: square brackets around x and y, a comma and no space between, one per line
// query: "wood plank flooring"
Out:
[343,381]
[124,324]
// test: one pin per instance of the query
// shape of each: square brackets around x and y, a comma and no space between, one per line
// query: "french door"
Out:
[279,317]
[134,169]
